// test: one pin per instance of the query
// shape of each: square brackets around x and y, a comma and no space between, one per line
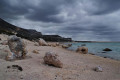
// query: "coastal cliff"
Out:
[29,34]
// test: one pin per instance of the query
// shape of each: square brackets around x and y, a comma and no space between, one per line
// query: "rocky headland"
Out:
[10,29]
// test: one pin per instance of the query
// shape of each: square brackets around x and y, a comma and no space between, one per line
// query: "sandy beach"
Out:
[75,66]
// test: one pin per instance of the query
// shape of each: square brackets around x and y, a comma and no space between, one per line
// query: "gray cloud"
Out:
[106,6]
[79,19]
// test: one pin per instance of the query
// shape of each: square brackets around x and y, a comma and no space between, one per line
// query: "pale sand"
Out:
[76,66]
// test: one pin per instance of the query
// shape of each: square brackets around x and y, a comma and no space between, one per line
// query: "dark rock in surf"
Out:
[107,49]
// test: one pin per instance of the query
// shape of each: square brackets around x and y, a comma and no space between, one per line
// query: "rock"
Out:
[35,51]
[52,58]
[15,67]
[107,49]
[3,54]
[53,45]
[69,45]
[42,42]
[105,57]
[83,50]
[21,77]
[49,44]
[57,44]
[36,44]
[83,44]
[5,42]
[65,46]
[9,56]
[17,48]
[92,53]
[98,69]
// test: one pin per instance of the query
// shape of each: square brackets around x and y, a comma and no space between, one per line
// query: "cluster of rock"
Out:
[18,51]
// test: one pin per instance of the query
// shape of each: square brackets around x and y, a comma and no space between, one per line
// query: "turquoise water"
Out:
[97,48]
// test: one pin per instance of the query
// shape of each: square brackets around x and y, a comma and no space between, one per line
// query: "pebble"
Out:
[98,69]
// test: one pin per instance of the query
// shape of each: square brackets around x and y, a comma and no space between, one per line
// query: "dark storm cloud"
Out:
[79,19]
[10,11]
[45,10]
[106,6]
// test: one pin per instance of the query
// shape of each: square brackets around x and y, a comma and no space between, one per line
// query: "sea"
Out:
[97,48]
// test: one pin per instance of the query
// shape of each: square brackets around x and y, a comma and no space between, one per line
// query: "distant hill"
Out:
[29,34]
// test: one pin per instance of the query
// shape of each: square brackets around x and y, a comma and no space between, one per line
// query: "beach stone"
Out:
[92,53]
[5,42]
[49,44]
[3,54]
[69,45]
[52,58]
[65,46]
[35,51]
[53,45]
[82,50]
[17,48]
[107,49]
[57,44]
[42,42]
[36,44]
[98,69]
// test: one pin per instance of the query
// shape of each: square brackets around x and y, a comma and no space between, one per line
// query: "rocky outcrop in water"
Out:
[107,49]
[82,50]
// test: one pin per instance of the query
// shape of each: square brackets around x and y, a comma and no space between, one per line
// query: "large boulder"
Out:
[17,48]
[42,42]
[82,50]
[52,58]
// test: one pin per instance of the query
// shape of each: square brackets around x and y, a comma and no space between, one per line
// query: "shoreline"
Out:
[99,41]
[92,53]
[75,66]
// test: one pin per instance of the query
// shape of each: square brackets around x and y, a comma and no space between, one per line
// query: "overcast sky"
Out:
[95,20]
